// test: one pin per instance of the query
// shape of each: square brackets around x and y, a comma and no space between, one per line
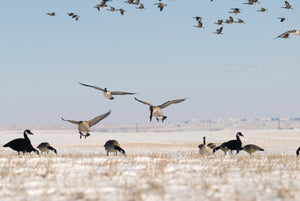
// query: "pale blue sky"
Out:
[160,55]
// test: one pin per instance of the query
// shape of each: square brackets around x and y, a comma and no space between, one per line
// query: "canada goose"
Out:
[282,19]
[235,10]
[219,22]
[73,15]
[251,148]
[217,146]
[297,152]
[200,25]
[106,93]
[198,18]
[51,14]
[160,6]
[156,111]
[230,20]
[287,5]
[240,21]
[251,2]
[232,144]
[129,1]
[204,149]
[137,2]
[84,126]
[287,33]
[112,9]
[122,11]
[113,146]
[141,6]
[22,144]
[262,10]
[46,147]
[219,31]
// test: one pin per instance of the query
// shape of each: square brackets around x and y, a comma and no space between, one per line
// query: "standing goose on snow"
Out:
[113,146]
[84,126]
[108,94]
[232,144]
[298,151]
[204,149]
[251,148]
[287,33]
[217,146]
[46,147]
[156,110]
[22,144]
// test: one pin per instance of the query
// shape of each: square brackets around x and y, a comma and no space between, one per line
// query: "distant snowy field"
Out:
[160,165]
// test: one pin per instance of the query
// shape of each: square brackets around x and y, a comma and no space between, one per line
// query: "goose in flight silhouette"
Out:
[287,33]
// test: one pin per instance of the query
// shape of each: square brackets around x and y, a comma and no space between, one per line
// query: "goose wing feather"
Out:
[98,118]
[171,102]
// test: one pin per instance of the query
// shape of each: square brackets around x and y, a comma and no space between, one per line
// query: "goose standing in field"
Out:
[287,33]
[298,151]
[113,146]
[84,126]
[156,111]
[232,144]
[108,94]
[22,144]
[204,149]
[251,148]
[217,146]
[46,147]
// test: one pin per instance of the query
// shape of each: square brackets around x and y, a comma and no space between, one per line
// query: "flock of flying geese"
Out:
[219,22]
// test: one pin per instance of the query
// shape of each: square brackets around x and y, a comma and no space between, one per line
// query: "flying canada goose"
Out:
[232,144]
[160,6]
[200,25]
[156,111]
[219,31]
[251,148]
[287,33]
[73,15]
[235,10]
[122,11]
[113,146]
[51,14]
[230,20]
[106,93]
[129,1]
[282,19]
[112,9]
[251,2]
[84,126]
[204,149]
[240,21]
[137,2]
[22,144]
[219,22]
[287,5]
[46,147]
[262,10]
[198,18]
[298,151]
[141,6]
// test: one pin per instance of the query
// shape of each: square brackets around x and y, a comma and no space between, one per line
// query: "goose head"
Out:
[239,134]
[28,132]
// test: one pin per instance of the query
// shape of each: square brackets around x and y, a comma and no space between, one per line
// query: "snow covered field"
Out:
[158,166]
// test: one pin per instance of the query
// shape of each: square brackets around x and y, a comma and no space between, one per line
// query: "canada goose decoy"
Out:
[22,144]
[113,146]
[230,20]
[51,14]
[108,94]
[73,15]
[156,111]
[262,10]
[141,6]
[287,5]
[251,148]
[204,149]
[298,151]
[282,19]
[219,31]
[160,6]
[219,22]
[233,144]
[46,147]
[240,21]
[122,11]
[84,126]
[198,18]
[287,33]
[235,10]
[200,25]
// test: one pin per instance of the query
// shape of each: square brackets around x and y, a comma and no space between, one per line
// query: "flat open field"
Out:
[158,166]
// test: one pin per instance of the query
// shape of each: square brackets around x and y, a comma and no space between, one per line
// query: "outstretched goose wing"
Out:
[94,121]
[121,93]
[285,33]
[170,102]
[143,102]
[98,88]
[72,121]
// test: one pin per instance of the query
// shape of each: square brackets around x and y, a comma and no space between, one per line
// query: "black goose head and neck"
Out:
[204,140]
[105,89]
[26,132]
[122,151]
[238,138]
